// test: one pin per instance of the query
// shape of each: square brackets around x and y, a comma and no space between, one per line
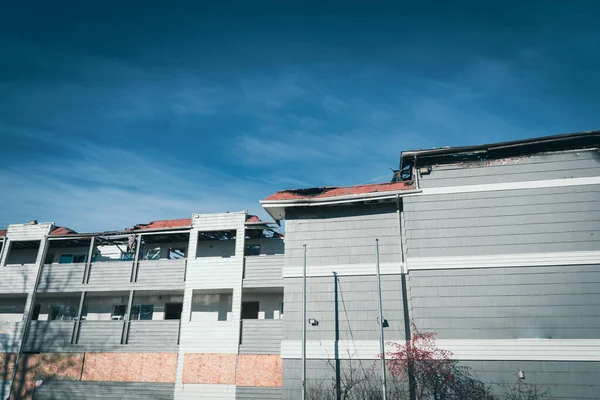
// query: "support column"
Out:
[4,253]
[88,262]
[127,321]
[75,336]
[136,258]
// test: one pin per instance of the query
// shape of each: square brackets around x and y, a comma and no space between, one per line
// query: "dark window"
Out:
[118,311]
[66,258]
[252,250]
[49,258]
[250,309]
[36,312]
[173,310]
[153,254]
[63,313]
[127,256]
[79,258]
[142,312]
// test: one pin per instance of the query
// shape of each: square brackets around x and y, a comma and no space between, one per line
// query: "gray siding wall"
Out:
[263,271]
[10,336]
[261,336]
[49,335]
[153,335]
[500,222]
[320,376]
[565,380]
[342,235]
[61,277]
[559,302]
[110,273]
[258,393]
[357,308]
[144,336]
[537,167]
[61,390]
[161,272]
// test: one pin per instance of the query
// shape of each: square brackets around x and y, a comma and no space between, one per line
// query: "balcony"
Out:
[61,277]
[10,336]
[263,271]
[261,336]
[49,336]
[153,335]
[161,272]
[100,335]
[110,275]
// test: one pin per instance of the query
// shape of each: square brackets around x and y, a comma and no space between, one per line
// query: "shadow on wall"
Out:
[31,367]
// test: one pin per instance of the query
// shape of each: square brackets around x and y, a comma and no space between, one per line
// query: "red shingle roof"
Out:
[3,232]
[165,223]
[61,230]
[333,191]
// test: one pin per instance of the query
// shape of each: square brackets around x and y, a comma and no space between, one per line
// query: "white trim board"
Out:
[462,349]
[505,260]
[594,180]
[342,270]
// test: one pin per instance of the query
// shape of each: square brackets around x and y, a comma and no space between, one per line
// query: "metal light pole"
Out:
[380,307]
[304,327]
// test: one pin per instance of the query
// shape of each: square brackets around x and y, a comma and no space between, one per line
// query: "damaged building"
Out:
[495,248]
[189,308]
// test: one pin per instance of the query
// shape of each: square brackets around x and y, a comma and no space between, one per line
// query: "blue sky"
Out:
[115,113]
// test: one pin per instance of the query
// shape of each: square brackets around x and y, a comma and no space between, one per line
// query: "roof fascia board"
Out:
[337,200]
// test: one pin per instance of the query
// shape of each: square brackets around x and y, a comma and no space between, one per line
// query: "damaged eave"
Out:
[276,208]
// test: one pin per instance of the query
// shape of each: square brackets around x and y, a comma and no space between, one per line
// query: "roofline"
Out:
[270,205]
[120,233]
[498,145]
[335,199]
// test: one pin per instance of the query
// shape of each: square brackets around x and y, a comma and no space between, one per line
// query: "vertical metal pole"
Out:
[304,327]
[380,307]
[25,332]
[88,262]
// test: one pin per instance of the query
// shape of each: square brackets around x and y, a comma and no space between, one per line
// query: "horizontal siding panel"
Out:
[160,272]
[28,232]
[263,271]
[261,336]
[60,390]
[532,168]
[258,393]
[535,302]
[62,277]
[100,336]
[214,272]
[49,335]
[341,236]
[209,337]
[155,335]
[110,273]
[10,336]
[206,391]
[517,221]
[17,279]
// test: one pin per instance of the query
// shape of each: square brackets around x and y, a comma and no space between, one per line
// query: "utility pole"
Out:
[304,327]
[380,307]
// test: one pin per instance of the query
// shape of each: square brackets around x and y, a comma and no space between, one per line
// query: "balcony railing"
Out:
[61,277]
[261,336]
[49,335]
[153,335]
[165,272]
[100,335]
[109,274]
[263,271]
[10,336]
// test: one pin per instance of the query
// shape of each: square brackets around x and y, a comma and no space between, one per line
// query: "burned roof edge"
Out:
[516,148]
